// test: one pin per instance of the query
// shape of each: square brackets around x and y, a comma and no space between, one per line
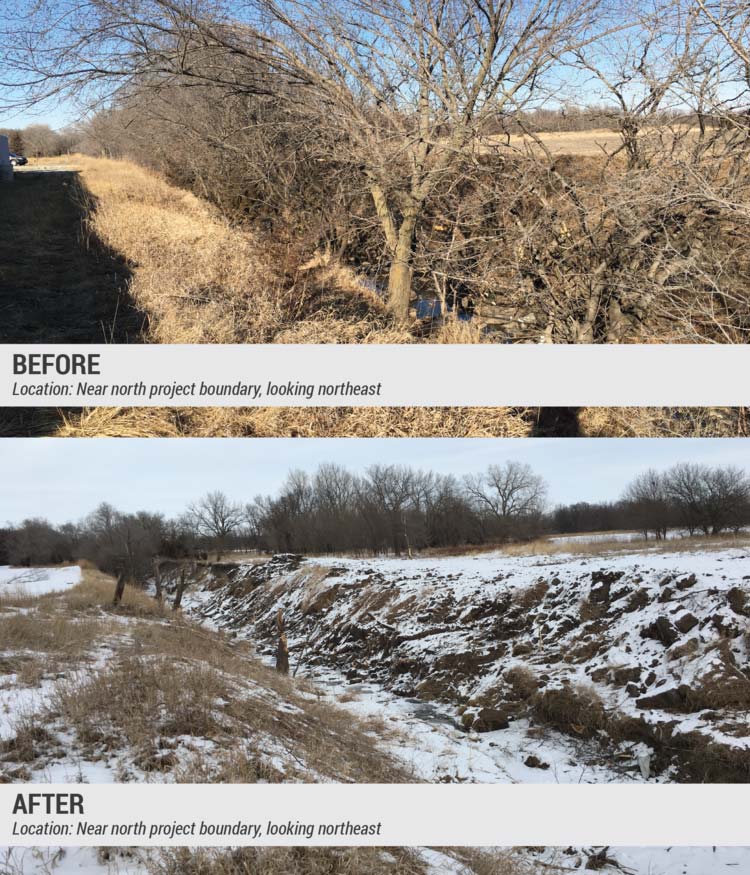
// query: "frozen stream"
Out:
[427,737]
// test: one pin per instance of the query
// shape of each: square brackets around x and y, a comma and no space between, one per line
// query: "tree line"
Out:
[403,137]
[386,510]
[41,141]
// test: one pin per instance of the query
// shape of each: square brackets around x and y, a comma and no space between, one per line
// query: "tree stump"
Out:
[282,648]
[119,589]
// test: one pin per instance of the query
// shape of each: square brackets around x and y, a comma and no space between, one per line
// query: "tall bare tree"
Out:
[215,517]
[410,87]
[512,494]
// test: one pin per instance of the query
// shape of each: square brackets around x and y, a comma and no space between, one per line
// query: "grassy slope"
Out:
[140,693]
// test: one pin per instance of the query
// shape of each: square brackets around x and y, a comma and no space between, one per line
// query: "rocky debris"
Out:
[508,644]
[686,623]
[487,719]
[672,699]
[661,630]
[739,601]
[533,762]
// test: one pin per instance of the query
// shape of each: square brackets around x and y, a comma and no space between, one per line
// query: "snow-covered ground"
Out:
[421,645]
[551,861]
[653,634]
[37,581]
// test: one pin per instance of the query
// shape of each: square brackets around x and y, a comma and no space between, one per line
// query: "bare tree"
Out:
[512,494]
[408,87]
[215,517]
[412,86]
[648,497]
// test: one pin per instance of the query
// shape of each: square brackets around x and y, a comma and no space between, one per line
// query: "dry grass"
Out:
[96,591]
[664,421]
[698,543]
[391,422]
[333,861]
[199,280]
[523,682]
[576,710]
[136,701]
[57,633]
[297,422]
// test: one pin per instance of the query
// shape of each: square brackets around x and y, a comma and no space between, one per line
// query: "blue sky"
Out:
[63,479]
[57,116]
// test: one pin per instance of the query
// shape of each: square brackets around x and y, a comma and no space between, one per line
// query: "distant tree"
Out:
[17,142]
[685,484]
[37,542]
[217,518]
[650,503]
[512,495]
[40,141]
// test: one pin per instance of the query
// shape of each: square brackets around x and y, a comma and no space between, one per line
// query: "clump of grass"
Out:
[12,598]
[29,740]
[96,591]
[523,682]
[56,633]
[228,767]
[576,710]
[138,701]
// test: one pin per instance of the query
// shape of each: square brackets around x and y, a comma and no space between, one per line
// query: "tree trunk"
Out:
[119,589]
[157,581]
[400,274]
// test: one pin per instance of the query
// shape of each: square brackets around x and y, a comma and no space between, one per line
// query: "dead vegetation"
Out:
[148,692]
[335,861]
[388,422]
[198,278]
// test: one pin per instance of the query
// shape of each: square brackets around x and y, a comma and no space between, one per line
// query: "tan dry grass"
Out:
[96,590]
[297,422]
[665,421]
[697,543]
[57,633]
[199,280]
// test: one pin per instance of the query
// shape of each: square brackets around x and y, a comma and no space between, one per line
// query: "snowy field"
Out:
[37,581]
